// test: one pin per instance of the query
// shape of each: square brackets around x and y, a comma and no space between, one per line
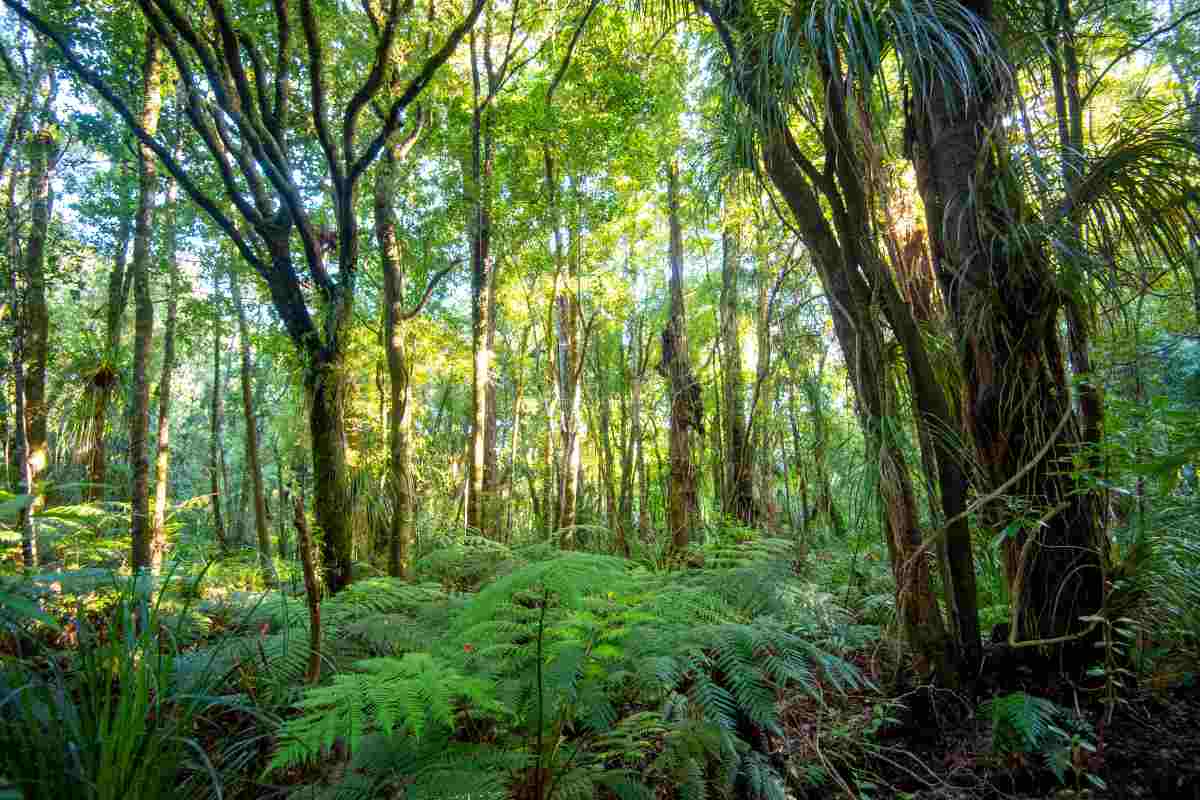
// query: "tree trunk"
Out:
[480,179]
[686,404]
[262,528]
[105,377]
[632,368]
[603,431]
[1017,405]
[737,499]
[567,358]
[312,591]
[140,524]
[242,503]
[401,529]
[515,438]
[859,336]
[810,385]
[37,317]
[163,450]
[215,445]
[24,483]
[281,487]
[757,438]
[331,501]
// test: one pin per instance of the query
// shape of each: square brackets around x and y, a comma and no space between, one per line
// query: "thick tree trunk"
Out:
[737,497]
[262,528]
[1017,402]
[1065,77]
[331,496]
[140,524]
[858,334]
[686,405]
[163,450]
[215,443]
[37,321]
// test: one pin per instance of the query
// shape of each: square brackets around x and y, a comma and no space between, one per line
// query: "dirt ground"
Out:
[1148,748]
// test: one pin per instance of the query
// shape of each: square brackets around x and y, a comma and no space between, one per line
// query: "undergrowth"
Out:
[567,673]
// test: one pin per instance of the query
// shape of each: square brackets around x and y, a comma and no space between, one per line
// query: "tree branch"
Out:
[316,67]
[566,62]
[407,315]
[414,88]
[284,34]
[373,83]
[91,79]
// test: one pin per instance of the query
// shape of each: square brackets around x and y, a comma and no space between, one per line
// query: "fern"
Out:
[569,675]
[387,695]
[1021,722]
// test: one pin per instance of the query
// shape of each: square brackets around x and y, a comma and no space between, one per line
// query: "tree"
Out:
[852,273]
[216,419]
[737,496]
[262,528]
[162,458]
[36,324]
[241,107]
[397,346]
[675,366]
[1004,307]
[105,376]
[142,531]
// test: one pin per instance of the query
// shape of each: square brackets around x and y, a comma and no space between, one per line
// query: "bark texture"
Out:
[1016,402]
[141,528]
[737,496]
[686,404]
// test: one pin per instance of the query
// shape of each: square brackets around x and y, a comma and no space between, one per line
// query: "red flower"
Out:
[468,648]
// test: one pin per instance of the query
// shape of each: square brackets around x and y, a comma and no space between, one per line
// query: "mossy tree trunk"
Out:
[141,527]
[675,367]
[1004,307]
[162,460]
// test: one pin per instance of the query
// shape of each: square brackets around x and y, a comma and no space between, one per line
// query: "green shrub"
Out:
[111,722]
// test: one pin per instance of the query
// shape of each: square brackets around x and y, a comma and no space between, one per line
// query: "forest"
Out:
[582,400]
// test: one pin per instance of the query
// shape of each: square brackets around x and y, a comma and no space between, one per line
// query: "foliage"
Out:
[1025,725]
[577,671]
[114,721]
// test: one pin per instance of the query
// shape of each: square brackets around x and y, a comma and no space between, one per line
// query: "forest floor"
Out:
[1147,749]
